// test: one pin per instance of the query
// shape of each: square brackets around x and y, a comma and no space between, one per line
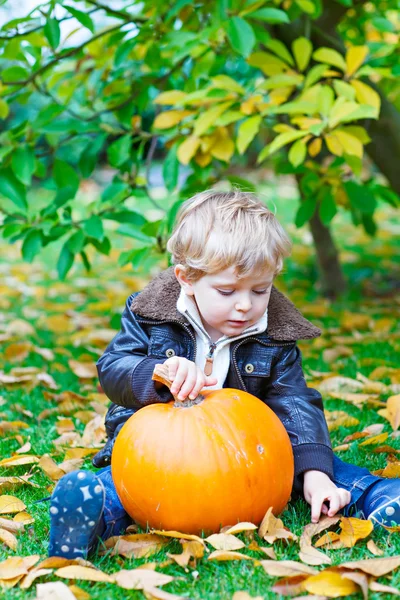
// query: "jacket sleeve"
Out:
[300,409]
[125,370]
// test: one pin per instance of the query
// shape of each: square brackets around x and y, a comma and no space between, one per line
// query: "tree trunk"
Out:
[332,279]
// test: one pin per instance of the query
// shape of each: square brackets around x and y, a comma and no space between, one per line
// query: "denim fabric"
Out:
[355,480]
[115,519]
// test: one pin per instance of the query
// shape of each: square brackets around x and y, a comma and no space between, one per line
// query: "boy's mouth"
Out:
[238,323]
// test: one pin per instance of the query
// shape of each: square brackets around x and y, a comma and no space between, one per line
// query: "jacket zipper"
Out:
[260,342]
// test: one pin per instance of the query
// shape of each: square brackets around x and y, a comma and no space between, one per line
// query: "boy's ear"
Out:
[184,282]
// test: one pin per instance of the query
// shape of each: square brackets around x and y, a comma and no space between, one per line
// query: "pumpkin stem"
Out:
[161,374]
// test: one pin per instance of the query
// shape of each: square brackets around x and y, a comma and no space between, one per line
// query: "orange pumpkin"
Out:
[200,465]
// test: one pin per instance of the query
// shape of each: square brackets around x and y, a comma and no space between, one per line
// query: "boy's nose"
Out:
[243,305]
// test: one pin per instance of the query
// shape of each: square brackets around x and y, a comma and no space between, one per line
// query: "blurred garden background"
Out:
[111,116]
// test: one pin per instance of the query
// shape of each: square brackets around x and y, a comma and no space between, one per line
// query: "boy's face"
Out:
[228,305]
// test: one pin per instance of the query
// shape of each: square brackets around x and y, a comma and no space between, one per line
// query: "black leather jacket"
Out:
[264,366]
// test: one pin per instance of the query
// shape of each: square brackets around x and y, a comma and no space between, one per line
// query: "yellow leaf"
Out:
[179,535]
[32,575]
[373,548]
[84,573]
[188,149]
[223,147]
[208,118]
[10,504]
[353,530]
[171,97]
[248,107]
[331,584]
[280,95]
[224,82]
[280,568]
[351,145]
[365,94]
[311,556]
[271,528]
[203,159]
[247,131]
[393,408]
[355,56]
[302,48]
[23,518]
[331,57]
[333,144]
[361,134]
[376,439]
[225,541]
[168,119]
[83,370]
[327,539]
[241,527]
[268,63]
[314,147]
[225,555]
[50,467]
[8,538]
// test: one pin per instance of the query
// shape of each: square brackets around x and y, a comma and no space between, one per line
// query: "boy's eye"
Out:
[225,293]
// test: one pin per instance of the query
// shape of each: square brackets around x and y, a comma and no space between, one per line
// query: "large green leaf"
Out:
[119,151]
[52,32]
[305,211]
[270,15]
[171,169]
[23,163]
[93,227]
[31,245]
[241,36]
[12,189]
[65,261]
[83,18]
[247,131]
[361,197]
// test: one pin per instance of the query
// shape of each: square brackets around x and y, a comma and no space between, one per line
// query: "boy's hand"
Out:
[317,489]
[188,379]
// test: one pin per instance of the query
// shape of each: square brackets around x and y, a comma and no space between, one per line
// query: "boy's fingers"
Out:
[210,380]
[316,507]
[189,383]
[197,386]
[179,378]
[334,505]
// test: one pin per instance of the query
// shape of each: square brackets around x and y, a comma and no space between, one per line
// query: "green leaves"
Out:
[12,189]
[270,15]
[93,227]
[241,36]
[80,16]
[23,163]
[119,151]
[361,197]
[67,182]
[247,131]
[65,261]
[52,32]
[32,245]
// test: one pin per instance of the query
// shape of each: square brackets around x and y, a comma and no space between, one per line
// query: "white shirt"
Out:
[219,349]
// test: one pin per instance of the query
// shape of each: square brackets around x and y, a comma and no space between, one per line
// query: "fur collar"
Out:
[158,301]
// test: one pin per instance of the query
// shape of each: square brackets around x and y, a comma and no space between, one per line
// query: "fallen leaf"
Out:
[312,556]
[14,566]
[239,528]
[376,439]
[31,576]
[11,525]
[84,573]
[279,568]
[374,586]
[272,528]
[139,579]
[224,541]
[245,596]
[16,461]
[373,548]
[360,579]
[79,593]
[50,467]
[54,590]
[331,584]
[10,504]
[153,593]
[178,535]
[374,566]
[328,539]
[353,530]
[83,370]
[8,538]
[393,408]
[226,555]
[23,518]
[290,586]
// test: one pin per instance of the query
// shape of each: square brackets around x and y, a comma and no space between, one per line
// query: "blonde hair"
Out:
[215,230]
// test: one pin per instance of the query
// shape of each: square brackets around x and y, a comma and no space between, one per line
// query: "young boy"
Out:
[216,320]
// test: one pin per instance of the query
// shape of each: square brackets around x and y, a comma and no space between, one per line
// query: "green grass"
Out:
[371,269]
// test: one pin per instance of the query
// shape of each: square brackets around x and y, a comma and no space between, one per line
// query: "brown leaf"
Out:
[10,426]
[328,539]
[290,568]
[290,586]
[23,518]
[245,596]
[374,586]
[373,548]
[272,528]
[353,530]
[330,355]
[374,566]
[181,559]
[393,408]
[14,566]
[54,590]
[139,579]
[83,370]
[10,504]
[178,535]
[79,593]
[312,556]
[27,447]
[239,528]
[84,573]
[136,545]
[16,461]
[11,525]
[153,593]
[331,584]
[361,580]
[8,538]
[226,555]
[223,541]
[50,467]
[31,576]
